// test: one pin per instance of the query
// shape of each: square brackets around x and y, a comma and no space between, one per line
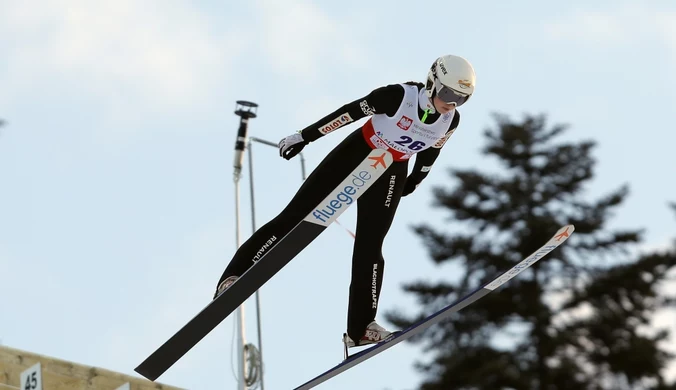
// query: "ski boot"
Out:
[224,285]
[374,334]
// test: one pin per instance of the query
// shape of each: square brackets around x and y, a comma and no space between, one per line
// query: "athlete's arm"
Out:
[383,100]
[425,159]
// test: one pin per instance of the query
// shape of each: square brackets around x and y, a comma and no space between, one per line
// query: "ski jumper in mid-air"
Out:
[406,119]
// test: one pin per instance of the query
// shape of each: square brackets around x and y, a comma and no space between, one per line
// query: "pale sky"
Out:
[117,202]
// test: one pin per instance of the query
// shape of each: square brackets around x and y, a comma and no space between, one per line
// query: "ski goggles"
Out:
[449,96]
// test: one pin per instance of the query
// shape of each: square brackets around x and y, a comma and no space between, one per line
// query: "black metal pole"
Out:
[245,110]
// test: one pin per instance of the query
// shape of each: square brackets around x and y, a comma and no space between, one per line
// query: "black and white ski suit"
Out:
[390,109]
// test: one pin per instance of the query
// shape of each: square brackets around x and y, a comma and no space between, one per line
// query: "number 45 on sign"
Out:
[31,378]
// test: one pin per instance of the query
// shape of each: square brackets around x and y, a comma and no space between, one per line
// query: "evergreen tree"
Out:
[572,320]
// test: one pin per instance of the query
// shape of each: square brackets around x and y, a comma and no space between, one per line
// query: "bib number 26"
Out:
[405,141]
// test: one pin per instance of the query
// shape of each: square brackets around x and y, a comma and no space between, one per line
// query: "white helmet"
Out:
[452,79]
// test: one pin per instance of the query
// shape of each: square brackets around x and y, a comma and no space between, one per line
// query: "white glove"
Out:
[291,145]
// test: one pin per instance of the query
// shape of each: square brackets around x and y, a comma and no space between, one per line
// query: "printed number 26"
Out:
[403,140]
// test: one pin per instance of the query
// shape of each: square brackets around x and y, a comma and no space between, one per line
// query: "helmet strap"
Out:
[429,105]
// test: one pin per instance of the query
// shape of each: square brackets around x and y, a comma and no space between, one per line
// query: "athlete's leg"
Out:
[325,178]
[375,213]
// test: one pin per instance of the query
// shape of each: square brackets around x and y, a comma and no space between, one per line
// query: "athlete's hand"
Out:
[291,145]
[410,186]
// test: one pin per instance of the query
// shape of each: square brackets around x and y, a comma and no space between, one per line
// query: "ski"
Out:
[272,260]
[559,238]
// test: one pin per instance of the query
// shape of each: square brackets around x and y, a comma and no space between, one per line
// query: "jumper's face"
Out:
[443,107]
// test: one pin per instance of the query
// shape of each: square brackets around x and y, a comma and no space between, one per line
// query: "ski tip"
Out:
[564,232]
[145,373]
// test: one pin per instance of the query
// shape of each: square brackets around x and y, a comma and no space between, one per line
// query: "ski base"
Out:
[350,361]
[221,307]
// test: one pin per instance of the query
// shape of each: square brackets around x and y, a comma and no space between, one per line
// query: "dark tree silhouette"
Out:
[572,320]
